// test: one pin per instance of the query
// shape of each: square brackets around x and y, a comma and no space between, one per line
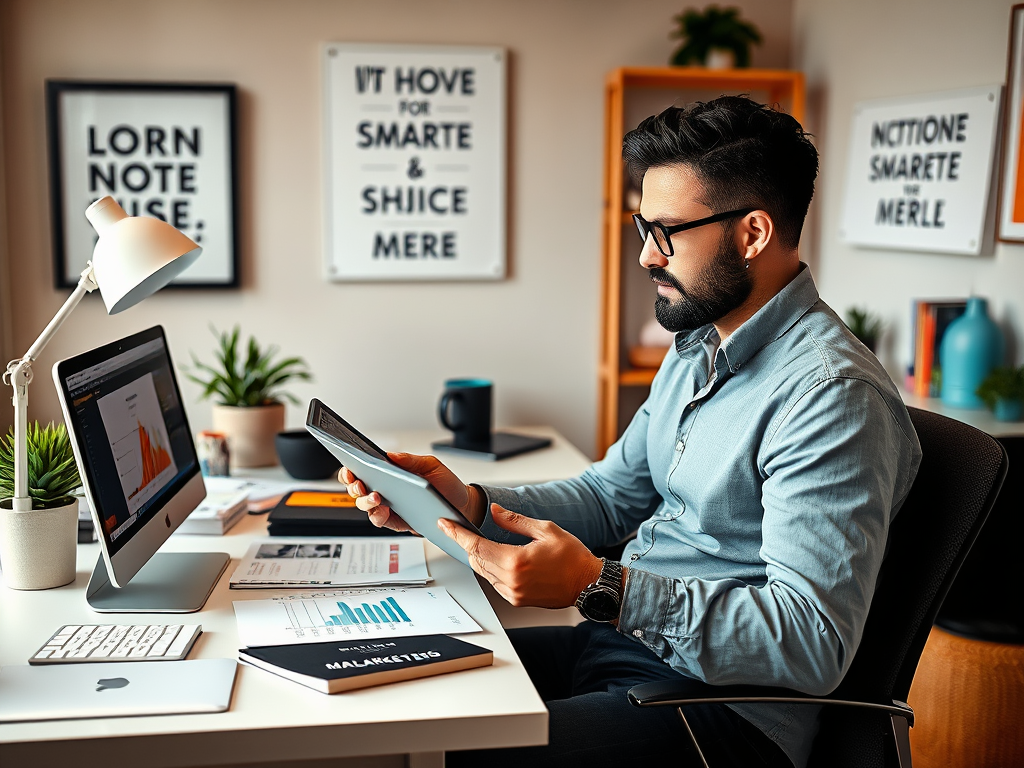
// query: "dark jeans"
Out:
[583,673]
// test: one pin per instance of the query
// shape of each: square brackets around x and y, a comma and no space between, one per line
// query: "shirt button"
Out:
[638,633]
[634,558]
[692,406]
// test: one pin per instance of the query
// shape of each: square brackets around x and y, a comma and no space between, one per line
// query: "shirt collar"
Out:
[765,326]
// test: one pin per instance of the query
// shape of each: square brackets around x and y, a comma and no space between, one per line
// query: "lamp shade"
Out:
[135,255]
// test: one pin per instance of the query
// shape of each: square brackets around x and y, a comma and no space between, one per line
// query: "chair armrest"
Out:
[682,693]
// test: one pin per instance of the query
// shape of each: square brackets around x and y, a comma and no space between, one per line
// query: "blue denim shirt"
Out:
[761,476]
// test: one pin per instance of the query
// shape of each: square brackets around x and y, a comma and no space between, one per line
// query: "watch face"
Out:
[600,605]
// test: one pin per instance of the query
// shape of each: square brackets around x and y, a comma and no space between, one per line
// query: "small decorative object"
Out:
[304,457]
[1003,392]
[163,150]
[865,325]
[971,347]
[715,37]
[37,546]
[214,456]
[654,343]
[249,411]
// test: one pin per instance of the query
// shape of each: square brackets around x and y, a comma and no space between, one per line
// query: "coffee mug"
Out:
[465,409]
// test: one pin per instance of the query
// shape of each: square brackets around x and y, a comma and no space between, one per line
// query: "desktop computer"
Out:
[140,471]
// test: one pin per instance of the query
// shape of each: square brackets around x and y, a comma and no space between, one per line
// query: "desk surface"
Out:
[979,419]
[272,719]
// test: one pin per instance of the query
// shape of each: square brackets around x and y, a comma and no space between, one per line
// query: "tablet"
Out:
[409,495]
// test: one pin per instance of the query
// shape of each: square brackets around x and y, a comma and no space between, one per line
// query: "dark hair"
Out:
[743,153]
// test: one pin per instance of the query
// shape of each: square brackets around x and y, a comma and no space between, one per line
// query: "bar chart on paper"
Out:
[351,613]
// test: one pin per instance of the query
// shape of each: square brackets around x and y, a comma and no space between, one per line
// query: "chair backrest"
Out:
[961,472]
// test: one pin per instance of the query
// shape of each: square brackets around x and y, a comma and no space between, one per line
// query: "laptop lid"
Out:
[115,689]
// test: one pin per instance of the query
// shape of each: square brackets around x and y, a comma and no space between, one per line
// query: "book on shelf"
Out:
[336,667]
[929,321]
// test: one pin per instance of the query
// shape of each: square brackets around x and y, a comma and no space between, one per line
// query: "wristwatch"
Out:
[601,600]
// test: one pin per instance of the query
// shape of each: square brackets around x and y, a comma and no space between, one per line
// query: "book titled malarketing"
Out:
[337,667]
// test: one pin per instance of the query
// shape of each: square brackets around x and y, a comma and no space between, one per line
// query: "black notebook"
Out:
[501,445]
[336,667]
[321,513]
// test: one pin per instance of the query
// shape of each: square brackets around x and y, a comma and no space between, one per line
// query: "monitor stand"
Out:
[171,582]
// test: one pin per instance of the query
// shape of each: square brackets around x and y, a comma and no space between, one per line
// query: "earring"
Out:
[746,263]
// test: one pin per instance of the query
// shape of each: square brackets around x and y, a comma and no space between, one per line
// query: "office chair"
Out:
[865,722]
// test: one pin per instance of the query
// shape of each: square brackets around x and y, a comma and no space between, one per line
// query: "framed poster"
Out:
[414,146]
[919,171]
[1010,227]
[160,149]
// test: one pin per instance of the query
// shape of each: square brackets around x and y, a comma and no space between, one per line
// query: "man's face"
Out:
[706,277]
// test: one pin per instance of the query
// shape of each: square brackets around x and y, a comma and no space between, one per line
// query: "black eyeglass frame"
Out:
[647,227]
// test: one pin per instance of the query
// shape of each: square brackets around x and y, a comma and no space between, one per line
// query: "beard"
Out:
[717,290]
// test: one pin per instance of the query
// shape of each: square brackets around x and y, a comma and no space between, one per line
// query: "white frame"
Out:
[349,236]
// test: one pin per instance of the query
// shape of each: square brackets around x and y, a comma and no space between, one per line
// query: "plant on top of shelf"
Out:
[713,30]
[248,385]
[52,471]
[865,325]
[1003,392]
[251,380]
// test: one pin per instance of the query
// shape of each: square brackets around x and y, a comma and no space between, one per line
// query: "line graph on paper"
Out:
[138,440]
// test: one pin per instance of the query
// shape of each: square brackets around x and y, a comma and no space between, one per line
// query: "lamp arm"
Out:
[19,376]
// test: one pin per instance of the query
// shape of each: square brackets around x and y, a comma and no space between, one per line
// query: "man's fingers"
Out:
[345,476]
[514,522]
[367,503]
[475,546]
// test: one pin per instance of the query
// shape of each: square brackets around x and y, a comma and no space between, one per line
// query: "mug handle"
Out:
[442,411]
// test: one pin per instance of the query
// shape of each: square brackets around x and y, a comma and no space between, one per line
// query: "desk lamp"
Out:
[134,257]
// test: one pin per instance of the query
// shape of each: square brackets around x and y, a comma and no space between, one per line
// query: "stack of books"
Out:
[929,320]
[217,513]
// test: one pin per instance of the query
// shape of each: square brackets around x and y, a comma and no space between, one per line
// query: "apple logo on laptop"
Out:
[108,683]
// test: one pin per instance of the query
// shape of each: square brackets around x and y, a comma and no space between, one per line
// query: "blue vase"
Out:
[971,347]
[1008,410]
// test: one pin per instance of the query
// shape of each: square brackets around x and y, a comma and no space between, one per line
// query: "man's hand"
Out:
[549,572]
[468,500]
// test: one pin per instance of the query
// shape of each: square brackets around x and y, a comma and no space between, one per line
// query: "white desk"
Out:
[272,720]
[979,419]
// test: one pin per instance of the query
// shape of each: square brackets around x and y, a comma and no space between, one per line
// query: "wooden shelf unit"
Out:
[772,86]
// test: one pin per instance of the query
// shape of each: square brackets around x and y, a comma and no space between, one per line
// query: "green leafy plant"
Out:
[713,27]
[1006,383]
[864,324]
[52,471]
[247,380]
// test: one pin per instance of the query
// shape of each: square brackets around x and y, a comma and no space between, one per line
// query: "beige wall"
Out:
[853,51]
[379,352]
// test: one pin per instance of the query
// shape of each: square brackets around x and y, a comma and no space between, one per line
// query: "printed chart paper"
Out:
[351,613]
[343,561]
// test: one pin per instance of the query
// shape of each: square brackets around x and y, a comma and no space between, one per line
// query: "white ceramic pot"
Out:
[720,58]
[38,547]
[250,432]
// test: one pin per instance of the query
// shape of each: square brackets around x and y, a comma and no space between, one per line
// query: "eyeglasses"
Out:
[663,235]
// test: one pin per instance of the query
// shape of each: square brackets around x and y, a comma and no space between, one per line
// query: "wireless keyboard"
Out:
[76,643]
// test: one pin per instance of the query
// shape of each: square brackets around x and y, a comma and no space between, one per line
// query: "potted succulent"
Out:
[38,547]
[248,387]
[1003,392]
[865,325]
[716,38]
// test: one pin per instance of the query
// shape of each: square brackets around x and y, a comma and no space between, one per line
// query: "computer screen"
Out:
[133,441]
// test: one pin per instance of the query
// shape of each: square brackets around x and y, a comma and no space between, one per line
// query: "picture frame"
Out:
[167,150]
[1010,216]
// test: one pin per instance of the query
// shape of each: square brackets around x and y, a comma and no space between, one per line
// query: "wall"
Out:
[379,352]
[878,48]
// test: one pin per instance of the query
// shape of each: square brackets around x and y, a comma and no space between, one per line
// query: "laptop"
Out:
[135,689]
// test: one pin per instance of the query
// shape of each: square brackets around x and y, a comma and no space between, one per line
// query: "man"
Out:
[760,476]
